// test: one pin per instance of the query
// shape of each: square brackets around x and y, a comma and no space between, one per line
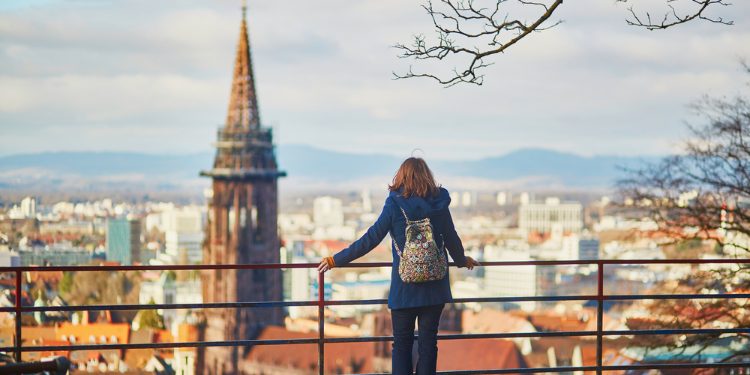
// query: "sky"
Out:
[154,77]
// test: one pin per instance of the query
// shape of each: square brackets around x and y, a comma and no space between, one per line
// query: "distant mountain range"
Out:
[305,166]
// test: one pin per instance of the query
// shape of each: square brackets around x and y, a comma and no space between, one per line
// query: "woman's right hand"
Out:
[470,263]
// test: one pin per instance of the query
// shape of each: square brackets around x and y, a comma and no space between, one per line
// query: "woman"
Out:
[415,195]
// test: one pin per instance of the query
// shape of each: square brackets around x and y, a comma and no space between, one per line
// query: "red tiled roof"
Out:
[346,357]
[478,354]
[585,321]
[82,332]
[51,238]
[93,355]
[187,333]
[493,321]
[163,335]
[52,277]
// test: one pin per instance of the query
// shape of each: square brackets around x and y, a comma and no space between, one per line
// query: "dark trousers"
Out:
[403,339]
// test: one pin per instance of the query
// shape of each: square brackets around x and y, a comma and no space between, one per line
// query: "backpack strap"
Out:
[398,251]
[402,210]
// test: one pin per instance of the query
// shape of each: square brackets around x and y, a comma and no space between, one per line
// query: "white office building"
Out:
[153,221]
[327,211]
[468,198]
[504,198]
[9,258]
[190,243]
[183,221]
[28,207]
[166,290]
[574,247]
[541,217]
[510,281]
[298,284]
[294,223]
[184,236]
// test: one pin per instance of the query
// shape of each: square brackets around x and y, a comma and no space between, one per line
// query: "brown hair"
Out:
[416,178]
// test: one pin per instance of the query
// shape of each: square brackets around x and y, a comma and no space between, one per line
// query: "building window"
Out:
[243,217]
[257,225]
[257,216]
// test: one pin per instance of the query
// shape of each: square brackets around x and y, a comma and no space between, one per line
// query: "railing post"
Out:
[18,316]
[599,316]
[321,325]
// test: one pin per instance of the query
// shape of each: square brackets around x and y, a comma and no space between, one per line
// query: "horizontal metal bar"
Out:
[526,299]
[474,336]
[355,302]
[537,370]
[468,336]
[513,371]
[675,296]
[368,265]
[287,342]
[161,345]
[174,306]
[673,366]
[278,304]
[333,340]
[366,302]
[190,267]
[696,331]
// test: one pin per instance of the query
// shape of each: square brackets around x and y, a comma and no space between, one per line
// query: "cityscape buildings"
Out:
[490,232]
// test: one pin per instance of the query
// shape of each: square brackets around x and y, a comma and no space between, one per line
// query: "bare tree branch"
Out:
[672,18]
[465,29]
[460,17]
[704,192]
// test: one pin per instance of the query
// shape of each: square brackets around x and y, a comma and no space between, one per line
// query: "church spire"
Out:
[244,149]
[243,104]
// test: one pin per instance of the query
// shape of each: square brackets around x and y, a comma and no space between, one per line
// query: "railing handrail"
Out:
[208,267]
[321,303]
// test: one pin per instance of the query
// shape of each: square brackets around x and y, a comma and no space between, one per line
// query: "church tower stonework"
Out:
[241,227]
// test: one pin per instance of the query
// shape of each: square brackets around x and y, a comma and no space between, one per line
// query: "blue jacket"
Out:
[403,295]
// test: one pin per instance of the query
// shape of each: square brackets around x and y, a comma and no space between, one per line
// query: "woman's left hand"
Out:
[470,263]
[323,266]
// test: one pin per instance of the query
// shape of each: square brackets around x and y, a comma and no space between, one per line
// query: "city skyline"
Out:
[152,78]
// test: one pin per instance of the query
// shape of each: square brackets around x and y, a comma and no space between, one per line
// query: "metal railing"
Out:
[321,303]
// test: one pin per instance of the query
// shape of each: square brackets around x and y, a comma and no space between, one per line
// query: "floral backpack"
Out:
[421,259]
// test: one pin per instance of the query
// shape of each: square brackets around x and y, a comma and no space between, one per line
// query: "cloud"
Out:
[106,98]
[143,76]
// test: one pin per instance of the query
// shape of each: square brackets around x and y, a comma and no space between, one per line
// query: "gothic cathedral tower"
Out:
[241,226]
